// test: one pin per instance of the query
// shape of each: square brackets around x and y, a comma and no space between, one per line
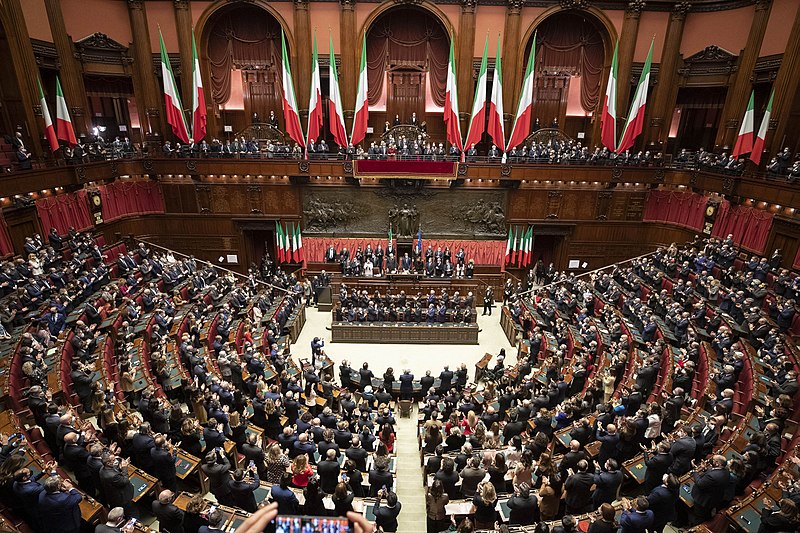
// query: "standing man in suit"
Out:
[446,378]
[170,518]
[217,468]
[116,485]
[162,457]
[59,506]
[242,491]
[579,489]
[116,517]
[637,517]
[657,465]
[328,471]
[682,453]
[709,489]
[406,385]
[27,488]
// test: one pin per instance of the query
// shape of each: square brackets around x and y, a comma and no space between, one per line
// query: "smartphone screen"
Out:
[311,524]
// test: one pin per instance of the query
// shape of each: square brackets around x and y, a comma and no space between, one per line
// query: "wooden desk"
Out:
[380,333]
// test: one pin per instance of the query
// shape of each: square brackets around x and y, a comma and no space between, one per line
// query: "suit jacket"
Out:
[635,522]
[142,444]
[662,502]
[682,452]
[242,494]
[328,475]
[102,528]
[217,474]
[170,518]
[163,466]
[657,465]
[116,487]
[709,488]
[60,511]
[606,484]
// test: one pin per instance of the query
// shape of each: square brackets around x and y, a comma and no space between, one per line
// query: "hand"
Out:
[360,522]
[257,522]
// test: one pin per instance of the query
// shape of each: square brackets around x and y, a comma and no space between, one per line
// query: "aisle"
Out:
[410,491]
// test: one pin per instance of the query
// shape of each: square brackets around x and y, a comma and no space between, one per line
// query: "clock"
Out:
[710,210]
[96,200]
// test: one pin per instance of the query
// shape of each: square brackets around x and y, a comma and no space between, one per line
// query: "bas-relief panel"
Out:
[466,214]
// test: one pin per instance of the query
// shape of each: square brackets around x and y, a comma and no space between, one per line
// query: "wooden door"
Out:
[261,93]
[551,99]
[406,95]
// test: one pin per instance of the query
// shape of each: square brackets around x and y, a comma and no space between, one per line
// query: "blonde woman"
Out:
[277,463]
[485,500]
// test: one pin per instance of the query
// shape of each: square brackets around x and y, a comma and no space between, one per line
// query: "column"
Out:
[70,72]
[739,92]
[149,97]
[465,55]
[627,47]
[27,74]
[303,43]
[350,52]
[786,87]
[513,67]
[665,93]
[183,26]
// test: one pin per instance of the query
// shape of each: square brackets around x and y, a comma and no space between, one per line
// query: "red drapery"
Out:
[482,252]
[749,227]
[64,211]
[676,207]
[131,198]
[796,263]
[6,246]
[407,37]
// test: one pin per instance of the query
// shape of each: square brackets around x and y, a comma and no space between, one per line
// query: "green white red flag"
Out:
[280,253]
[477,121]
[451,122]
[608,121]
[199,112]
[361,117]
[315,98]
[522,122]
[298,243]
[744,142]
[496,129]
[758,145]
[64,129]
[49,130]
[172,99]
[291,115]
[335,110]
[635,123]
[508,246]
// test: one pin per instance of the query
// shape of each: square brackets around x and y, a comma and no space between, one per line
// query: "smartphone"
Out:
[131,523]
[251,464]
[311,524]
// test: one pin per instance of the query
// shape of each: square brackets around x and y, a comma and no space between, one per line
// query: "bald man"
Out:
[170,518]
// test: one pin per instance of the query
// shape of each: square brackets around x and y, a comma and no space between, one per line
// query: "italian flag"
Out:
[478,119]
[758,146]
[525,247]
[635,122]
[294,255]
[198,97]
[280,252]
[496,130]
[49,130]
[744,142]
[362,105]
[522,122]
[452,125]
[608,132]
[172,100]
[315,100]
[298,245]
[508,246]
[290,112]
[335,111]
[514,245]
[64,129]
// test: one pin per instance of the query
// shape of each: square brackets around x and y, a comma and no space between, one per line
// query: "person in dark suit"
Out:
[607,482]
[446,378]
[328,471]
[162,458]
[709,489]
[59,506]
[242,491]
[579,489]
[114,521]
[524,506]
[213,437]
[116,485]
[284,497]
[662,501]
[608,438]
[379,476]
[366,376]
[783,519]
[142,444]
[217,468]
[657,465]
[406,385]
[26,488]
[637,517]
[255,453]
[170,518]
[386,515]
[215,522]
[682,452]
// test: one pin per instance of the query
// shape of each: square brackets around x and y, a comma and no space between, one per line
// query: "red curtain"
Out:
[63,212]
[749,227]
[482,252]
[796,263]
[407,37]
[131,198]
[676,207]
[6,246]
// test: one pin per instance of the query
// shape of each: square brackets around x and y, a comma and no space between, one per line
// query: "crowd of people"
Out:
[369,262]
[359,306]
